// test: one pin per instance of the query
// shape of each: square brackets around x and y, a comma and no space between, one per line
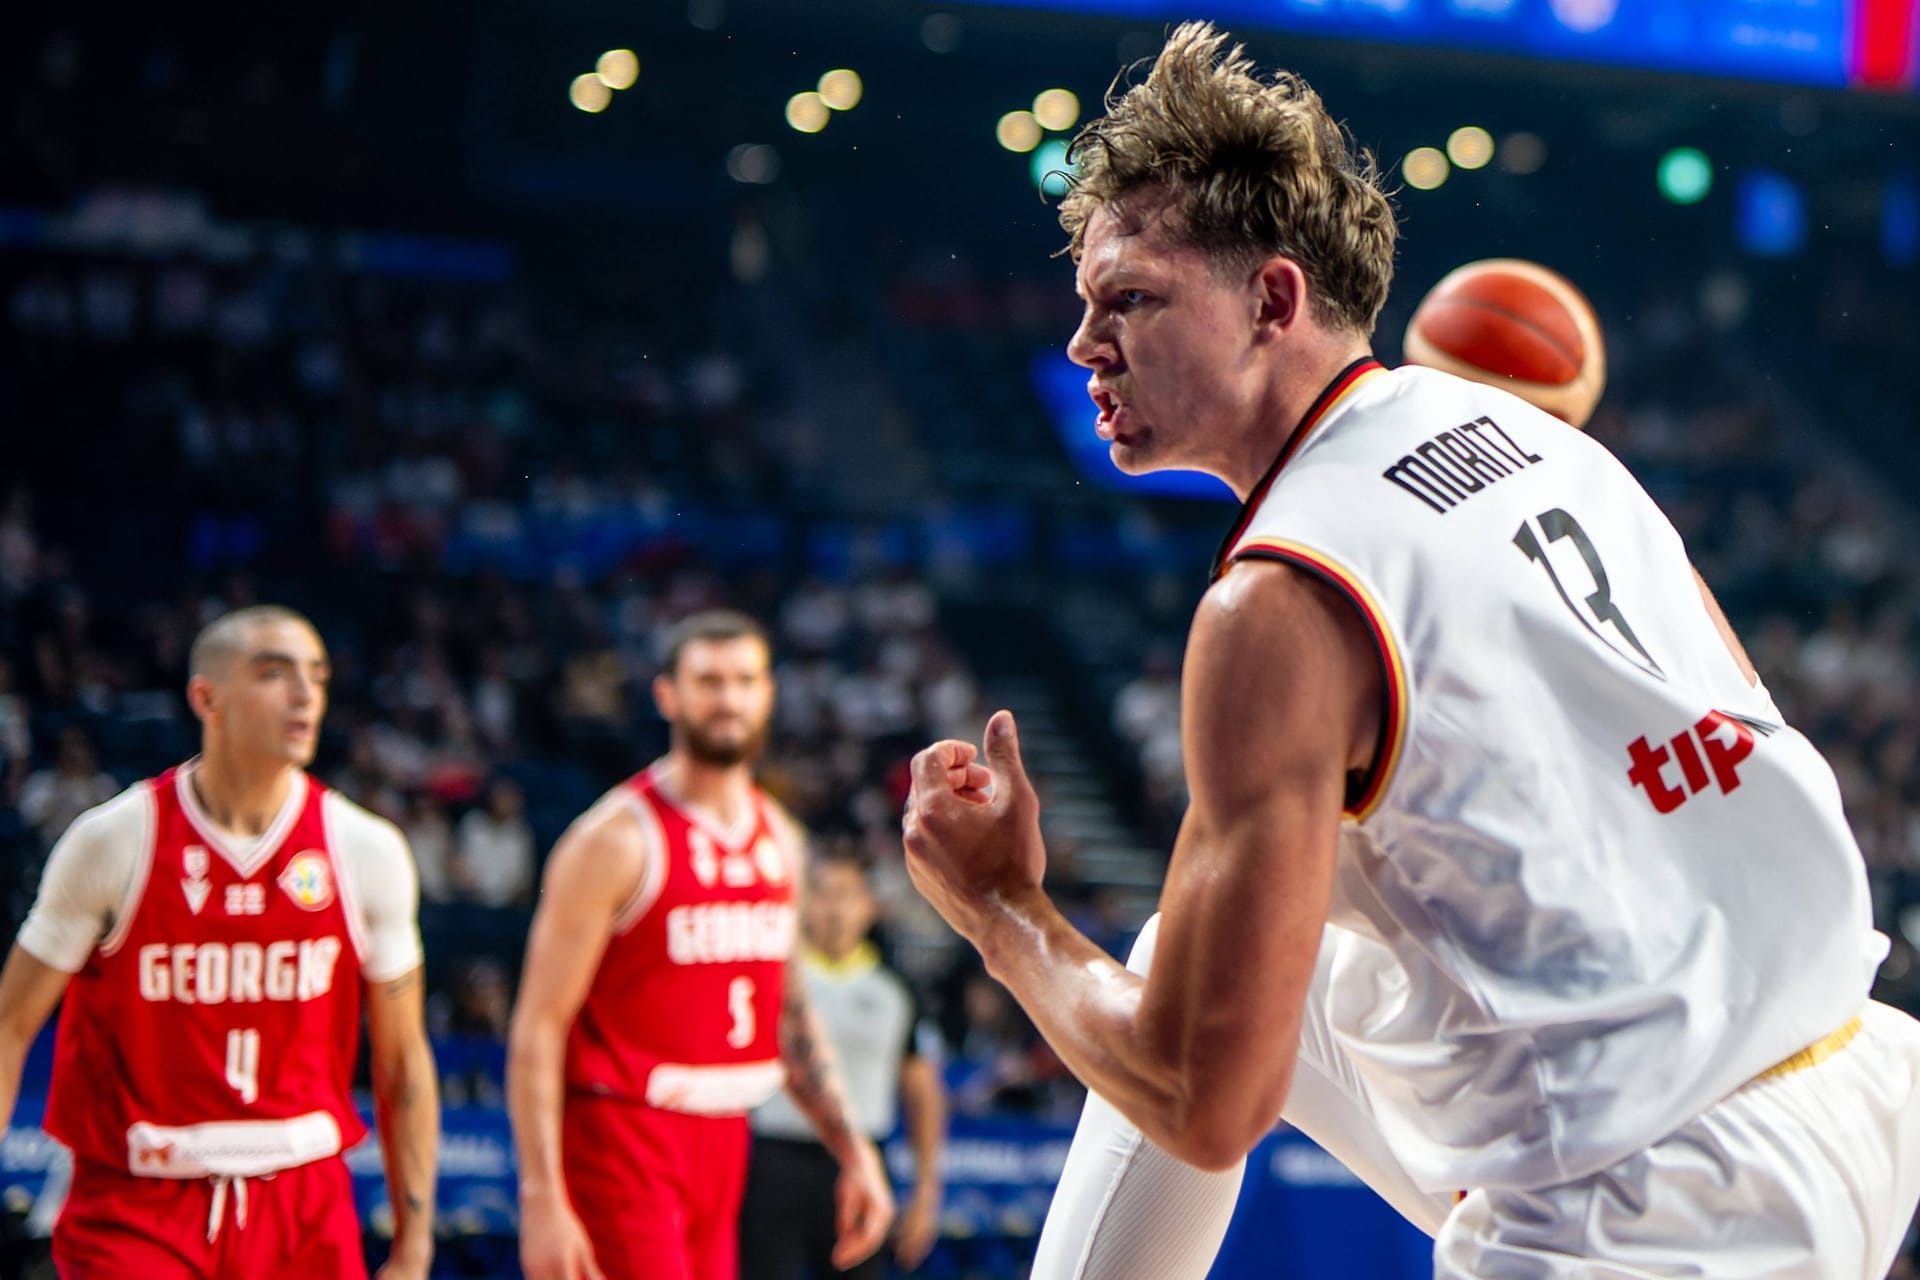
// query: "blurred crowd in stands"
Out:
[486,515]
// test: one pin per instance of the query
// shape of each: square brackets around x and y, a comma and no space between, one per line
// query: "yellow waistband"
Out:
[1814,1054]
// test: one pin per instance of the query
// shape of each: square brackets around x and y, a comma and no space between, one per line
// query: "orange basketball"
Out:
[1518,326]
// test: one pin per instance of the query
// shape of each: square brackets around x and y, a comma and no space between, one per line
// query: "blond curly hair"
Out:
[1256,168]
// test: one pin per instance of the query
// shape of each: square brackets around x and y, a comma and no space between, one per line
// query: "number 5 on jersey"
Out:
[243,1063]
[740,1008]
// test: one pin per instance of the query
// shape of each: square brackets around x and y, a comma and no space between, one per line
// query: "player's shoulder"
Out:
[616,826]
[126,817]
[606,853]
[353,829]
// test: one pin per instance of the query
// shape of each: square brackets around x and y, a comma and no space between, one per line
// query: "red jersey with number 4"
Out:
[684,1011]
[214,1030]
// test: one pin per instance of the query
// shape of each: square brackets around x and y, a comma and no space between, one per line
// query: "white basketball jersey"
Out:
[1592,883]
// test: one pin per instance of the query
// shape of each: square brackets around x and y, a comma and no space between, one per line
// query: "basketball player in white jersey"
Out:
[1501,876]
[213,932]
[1118,1189]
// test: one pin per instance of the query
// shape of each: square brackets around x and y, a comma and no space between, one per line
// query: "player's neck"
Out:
[237,796]
[1289,397]
[725,791]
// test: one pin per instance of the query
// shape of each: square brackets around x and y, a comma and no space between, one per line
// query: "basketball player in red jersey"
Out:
[658,1005]
[212,930]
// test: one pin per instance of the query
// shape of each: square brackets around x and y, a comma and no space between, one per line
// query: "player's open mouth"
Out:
[1110,410]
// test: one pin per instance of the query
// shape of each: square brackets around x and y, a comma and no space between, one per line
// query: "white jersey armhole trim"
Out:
[653,874]
[1396,712]
[788,834]
[140,873]
[343,882]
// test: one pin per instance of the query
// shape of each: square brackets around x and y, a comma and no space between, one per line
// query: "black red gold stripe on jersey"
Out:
[1364,797]
[1342,385]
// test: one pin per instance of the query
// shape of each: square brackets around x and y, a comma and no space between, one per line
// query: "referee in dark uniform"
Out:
[873,1020]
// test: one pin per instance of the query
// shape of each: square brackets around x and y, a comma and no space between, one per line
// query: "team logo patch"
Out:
[308,880]
[771,861]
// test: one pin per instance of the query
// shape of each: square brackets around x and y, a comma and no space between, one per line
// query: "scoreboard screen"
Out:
[1830,43]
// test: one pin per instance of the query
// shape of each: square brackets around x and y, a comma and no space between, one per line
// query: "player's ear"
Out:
[1280,294]
[664,700]
[200,696]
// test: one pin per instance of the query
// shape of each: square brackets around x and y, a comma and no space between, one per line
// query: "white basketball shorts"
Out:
[1808,1175]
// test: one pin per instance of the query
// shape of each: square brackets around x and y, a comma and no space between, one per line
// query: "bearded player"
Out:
[661,1003]
[216,932]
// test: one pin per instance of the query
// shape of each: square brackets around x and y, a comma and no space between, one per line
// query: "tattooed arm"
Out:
[406,1110]
[863,1199]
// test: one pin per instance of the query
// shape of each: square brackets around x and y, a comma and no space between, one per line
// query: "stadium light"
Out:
[1470,147]
[1057,109]
[941,32]
[1018,131]
[1050,169]
[1425,168]
[841,89]
[1522,153]
[590,93]
[1770,215]
[618,68]
[1685,175]
[754,163]
[807,112]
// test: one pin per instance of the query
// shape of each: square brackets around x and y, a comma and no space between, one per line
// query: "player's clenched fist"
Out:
[972,830]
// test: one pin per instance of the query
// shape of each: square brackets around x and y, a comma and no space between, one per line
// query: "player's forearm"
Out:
[1089,1008]
[13,1060]
[406,1103]
[925,1105]
[535,1095]
[813,1079]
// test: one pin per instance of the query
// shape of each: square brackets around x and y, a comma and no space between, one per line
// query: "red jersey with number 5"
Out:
[684,1010]
[215,1029]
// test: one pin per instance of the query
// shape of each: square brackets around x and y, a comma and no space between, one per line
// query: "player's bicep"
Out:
[88,882]
[1728,636]
[1280,702]
[387,895]
[592,875]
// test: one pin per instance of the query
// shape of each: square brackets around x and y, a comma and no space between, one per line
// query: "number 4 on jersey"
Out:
[243,1063]
[1600,609]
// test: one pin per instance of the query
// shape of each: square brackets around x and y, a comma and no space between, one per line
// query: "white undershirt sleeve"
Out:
[1124,1208]
[380,887]
[88,878]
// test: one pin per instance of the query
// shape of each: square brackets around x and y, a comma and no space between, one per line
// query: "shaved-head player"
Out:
[215,932]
